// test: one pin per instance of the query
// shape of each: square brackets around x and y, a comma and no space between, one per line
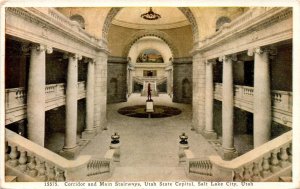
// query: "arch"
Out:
[150,55]
[79,19]
[221,21]
[185,10]
[154,33]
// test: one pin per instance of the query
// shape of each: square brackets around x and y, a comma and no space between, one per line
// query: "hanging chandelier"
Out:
[150,15]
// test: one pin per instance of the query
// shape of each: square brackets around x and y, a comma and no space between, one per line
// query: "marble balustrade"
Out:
[243,98]
[31,162]
[15,100]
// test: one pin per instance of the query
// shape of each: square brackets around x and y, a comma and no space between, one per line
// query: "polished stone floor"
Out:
[149,147]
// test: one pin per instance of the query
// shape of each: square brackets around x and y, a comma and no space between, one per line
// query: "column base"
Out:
[70,153]
[88,134]
[209,135]
[228,154]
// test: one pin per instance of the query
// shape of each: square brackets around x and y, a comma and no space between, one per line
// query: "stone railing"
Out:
[282,101]
[31,162]
[15,100]
[265,163]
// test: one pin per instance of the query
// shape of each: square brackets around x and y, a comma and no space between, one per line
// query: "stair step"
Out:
[148,174]
[10,178]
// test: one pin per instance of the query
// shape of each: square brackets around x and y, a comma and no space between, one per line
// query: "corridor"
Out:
[149,147]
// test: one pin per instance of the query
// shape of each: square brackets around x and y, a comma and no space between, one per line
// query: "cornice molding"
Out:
[183,60]
[116,60]
[151,26]
[250,23]
[50,20]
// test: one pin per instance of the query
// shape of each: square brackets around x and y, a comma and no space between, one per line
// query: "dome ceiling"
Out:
[131,18]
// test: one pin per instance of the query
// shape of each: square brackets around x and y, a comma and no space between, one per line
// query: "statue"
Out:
[149,92]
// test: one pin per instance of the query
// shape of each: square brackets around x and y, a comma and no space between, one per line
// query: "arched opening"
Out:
[221,21]
[79,19]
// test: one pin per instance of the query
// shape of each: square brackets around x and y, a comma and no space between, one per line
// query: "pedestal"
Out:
[117,153]
[149,106]
[229,154]
[210,135]
[70,153]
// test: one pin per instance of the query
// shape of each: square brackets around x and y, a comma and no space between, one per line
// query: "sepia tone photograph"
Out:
[143,96]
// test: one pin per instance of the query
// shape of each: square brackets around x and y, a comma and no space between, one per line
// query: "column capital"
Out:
[88,60]
[259,50]
[232,57]
[71,55]
[38,47]
[25,48]
[209,62]
[49,50]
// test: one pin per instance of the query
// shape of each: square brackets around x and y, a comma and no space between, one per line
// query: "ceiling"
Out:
[171,17]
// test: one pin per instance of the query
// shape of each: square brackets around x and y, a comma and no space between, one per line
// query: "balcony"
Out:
[15,100]
[282,102]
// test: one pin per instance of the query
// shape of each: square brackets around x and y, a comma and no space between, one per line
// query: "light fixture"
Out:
[150,15]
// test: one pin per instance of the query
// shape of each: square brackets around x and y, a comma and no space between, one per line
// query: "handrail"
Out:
[31,153]
[254,154]
[259,164]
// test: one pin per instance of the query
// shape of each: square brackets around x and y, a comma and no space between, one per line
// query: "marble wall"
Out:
[116,80]
[182,80]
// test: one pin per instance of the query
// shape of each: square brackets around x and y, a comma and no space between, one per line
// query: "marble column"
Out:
[227,109]
[36,94]
[262,98]
[209,101]
[89,131]
[100,120]
[70,149]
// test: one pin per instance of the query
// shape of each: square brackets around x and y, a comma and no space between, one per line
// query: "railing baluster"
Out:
[265,167]
[51,173]
[60,177]
[42,171]
[256,172]
[32,171]
[283,157]
[247,176]
[6,151]
[23,160]
[290,153]
[274,162]
[13,156]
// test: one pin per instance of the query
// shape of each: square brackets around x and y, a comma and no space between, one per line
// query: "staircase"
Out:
[30,162]
[26,161]
[270,162]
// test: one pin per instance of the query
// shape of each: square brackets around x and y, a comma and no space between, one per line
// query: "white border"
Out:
[164,3]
